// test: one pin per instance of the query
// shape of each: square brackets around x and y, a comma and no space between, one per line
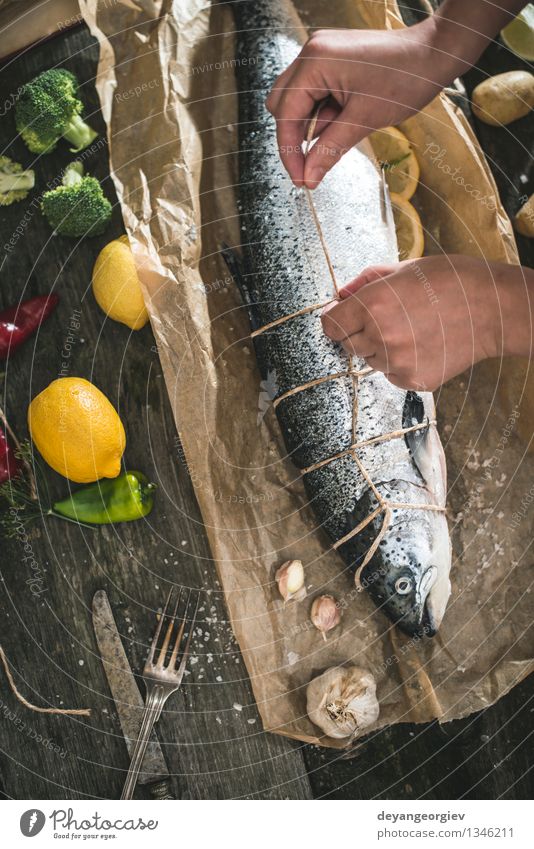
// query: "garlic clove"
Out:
[325,614]
[342,701]
[290,580]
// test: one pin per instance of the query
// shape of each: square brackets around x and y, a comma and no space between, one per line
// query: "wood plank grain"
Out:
[215,750]
[211,732]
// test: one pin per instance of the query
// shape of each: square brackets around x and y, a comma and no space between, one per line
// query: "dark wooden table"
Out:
[211,734]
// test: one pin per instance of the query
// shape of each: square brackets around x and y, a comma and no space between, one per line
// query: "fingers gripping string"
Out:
[355,375]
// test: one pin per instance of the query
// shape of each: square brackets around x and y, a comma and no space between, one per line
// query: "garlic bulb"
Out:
[325,613]
[290,580]
[342,701]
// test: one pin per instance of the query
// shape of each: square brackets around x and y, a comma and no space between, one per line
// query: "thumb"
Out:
[368,275]
[338,137]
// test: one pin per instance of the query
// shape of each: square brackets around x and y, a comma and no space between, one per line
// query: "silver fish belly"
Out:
[283,269]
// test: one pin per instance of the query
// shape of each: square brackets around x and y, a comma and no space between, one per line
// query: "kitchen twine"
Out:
[26,703]
[20,697]
[356,375]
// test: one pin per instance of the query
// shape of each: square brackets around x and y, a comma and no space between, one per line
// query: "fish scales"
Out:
[283,270]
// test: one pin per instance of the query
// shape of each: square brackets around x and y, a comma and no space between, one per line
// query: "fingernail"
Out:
[315,176]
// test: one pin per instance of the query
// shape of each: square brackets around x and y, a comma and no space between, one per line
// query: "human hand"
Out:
[421,322]
[372,79]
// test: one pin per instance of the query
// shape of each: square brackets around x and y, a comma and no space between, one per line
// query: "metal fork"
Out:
[161,679]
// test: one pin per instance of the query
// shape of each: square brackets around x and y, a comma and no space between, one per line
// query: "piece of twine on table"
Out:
[355,374]
[3,658]
[36,708]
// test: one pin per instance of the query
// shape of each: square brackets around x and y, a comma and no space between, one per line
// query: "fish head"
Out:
[408,577]
[405,599]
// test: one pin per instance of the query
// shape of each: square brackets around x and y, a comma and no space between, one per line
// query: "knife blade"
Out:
[127,697]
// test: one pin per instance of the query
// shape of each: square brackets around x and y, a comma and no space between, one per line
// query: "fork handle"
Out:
[153,705]
[161,790]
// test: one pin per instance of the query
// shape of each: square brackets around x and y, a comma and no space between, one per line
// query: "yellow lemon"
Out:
[77,430]
[410,237]
[116,286]
[394,152]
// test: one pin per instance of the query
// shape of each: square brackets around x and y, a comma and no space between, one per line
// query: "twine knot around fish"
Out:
[368,452]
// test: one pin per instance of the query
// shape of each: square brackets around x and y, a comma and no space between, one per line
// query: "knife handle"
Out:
[161,790]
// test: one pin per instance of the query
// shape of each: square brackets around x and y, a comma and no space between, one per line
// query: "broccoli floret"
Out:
[49,108]
[14,182]
[78,207]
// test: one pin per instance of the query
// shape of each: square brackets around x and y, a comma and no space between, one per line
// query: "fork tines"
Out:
[174,631]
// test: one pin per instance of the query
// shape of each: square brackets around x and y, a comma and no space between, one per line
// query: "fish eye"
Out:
[403,586]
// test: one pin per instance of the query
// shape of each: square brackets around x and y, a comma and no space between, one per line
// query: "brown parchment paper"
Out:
[166,83]
[25,22]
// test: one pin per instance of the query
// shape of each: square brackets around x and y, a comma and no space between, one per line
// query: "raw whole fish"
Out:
[283,269]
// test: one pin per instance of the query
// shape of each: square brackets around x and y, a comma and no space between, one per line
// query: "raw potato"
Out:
[504,98]
[524,220]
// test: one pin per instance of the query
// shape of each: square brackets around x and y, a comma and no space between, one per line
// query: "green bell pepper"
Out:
[123,499]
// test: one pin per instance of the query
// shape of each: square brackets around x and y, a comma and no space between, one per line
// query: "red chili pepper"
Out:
[17,323]
[10,466]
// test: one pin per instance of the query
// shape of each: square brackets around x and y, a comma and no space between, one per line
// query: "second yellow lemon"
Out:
[116,286]
[518,35]
[410,236]
[394,152]
[77,430]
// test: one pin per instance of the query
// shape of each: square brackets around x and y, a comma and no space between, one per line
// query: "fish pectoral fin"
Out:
[234,263]
[414,412]
[425,445]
